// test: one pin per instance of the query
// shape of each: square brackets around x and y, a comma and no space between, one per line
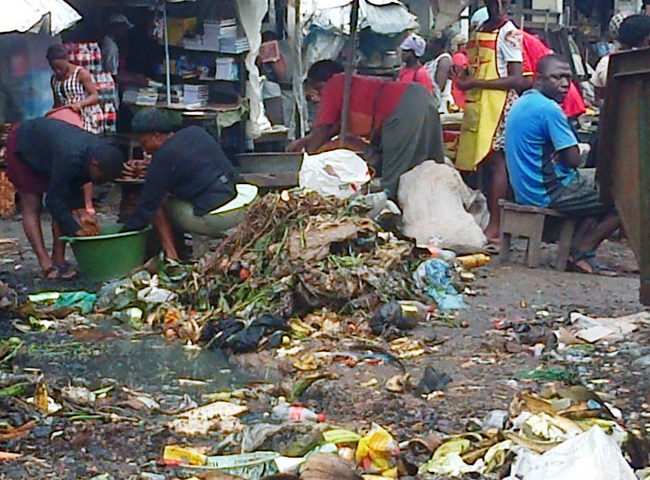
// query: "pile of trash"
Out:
[569,432]
[295,253]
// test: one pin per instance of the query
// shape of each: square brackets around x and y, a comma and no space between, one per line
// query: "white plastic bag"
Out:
[436,203]
[592,455]
[340,172]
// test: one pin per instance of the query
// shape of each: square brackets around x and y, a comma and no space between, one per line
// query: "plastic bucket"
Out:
[109,255]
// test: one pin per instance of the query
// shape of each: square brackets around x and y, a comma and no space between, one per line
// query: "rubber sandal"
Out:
[66,271]
[590,258]
[51,273]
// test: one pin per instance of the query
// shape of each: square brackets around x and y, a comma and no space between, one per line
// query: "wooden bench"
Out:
[528,222]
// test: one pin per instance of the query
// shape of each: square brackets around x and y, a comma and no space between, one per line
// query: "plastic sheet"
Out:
[591,455]
[341,173]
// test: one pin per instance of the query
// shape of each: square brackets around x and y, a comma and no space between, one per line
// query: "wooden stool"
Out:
[528,222]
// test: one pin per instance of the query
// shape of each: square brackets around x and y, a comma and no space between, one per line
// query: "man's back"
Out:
[372,100]
[45,143]
[196,165]
[535,130]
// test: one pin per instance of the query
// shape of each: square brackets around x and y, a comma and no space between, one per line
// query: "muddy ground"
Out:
[125,441]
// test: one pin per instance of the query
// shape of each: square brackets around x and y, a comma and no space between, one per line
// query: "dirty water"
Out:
[144,362]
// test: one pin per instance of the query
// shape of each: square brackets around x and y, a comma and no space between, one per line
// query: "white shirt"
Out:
[510,42]
[599,78]
[443,98]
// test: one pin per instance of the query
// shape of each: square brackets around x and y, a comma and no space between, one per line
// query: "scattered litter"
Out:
[435,278]
[78,395]
[592,455]
[432,380]
[593,330]
[201,420]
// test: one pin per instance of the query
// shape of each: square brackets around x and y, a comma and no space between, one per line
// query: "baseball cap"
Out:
[120,18]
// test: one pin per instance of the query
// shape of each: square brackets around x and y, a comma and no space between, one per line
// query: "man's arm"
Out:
[569,156]
[562,137]
[58,200]
[514,81]
[318,137]
[443,72]
[156,185]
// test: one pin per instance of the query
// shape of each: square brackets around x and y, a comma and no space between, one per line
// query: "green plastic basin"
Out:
[109,255]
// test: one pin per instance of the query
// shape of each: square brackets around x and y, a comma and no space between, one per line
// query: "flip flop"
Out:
[66,271]
[590,258]
[51,273]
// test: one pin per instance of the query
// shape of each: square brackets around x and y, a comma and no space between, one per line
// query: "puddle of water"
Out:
[141,362]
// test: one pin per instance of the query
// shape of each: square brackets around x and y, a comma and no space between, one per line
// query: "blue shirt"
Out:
[537,128]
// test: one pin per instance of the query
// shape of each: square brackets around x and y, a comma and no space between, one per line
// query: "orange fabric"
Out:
[420,75]
[370,96]
[459,60]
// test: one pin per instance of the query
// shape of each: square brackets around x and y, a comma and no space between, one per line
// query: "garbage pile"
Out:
[295,253]
[567,430]
[515,440]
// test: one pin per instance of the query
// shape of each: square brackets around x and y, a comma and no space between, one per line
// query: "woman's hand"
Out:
[77,107]
[464,81]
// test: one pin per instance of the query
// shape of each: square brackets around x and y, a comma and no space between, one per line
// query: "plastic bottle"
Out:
[441,253]
[473,261]
[296,413]
[414,311]
[434,247]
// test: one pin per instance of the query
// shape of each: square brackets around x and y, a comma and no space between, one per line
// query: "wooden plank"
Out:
[624,153]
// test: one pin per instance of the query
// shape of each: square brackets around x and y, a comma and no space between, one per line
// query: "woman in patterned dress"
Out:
[73,86]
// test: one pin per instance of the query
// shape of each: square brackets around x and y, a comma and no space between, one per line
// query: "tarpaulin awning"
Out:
[35,15]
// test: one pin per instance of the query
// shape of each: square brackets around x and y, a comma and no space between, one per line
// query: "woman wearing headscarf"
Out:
[630,32]
[413,71]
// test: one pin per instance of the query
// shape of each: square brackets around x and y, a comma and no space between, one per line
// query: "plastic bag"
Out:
[436,203]
[591,455]
[376,450]
[340,172]
[435,278]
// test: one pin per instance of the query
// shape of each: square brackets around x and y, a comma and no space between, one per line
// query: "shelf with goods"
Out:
[207,62]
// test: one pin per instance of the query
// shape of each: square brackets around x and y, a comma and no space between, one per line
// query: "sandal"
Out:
[588,257]
[66,271]
[51,273]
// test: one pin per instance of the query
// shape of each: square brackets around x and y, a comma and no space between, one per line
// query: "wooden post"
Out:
[349,68]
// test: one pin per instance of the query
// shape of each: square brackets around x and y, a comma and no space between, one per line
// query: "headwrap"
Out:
[634,30]
[615,23]
[415,43]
